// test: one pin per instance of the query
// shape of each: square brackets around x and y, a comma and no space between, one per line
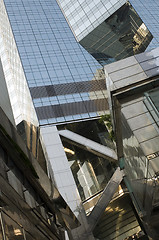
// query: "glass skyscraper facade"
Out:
[66,82]
[84,16]
[52,80]
[108,30]
[149,13]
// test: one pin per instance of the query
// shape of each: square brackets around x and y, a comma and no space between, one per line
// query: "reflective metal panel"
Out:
[135,162]
[118,221]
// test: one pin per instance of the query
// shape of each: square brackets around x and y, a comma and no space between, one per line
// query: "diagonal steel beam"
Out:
[89,145]
[105,198]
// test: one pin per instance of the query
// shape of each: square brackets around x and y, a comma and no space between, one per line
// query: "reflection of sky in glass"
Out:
[49,52]
[51,57]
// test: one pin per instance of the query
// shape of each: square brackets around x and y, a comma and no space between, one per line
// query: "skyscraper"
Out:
[52,58]
[66,83]
[108,30]
[40,53]
[59,71]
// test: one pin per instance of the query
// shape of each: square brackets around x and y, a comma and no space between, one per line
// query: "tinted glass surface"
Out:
[51,56]
[148,10]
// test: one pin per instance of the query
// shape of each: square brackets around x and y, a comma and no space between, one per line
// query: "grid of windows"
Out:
[109,30]
[14,78]
[49,52]
[84,16]
[121,35]
[148,10]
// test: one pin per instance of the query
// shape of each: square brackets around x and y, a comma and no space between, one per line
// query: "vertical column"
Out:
[2,226]
[59,167]
[63,177]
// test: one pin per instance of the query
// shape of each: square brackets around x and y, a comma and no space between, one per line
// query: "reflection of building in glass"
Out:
[84,18]
[134,91]
[58,70]
[90,171]
[148,12]
[48,80]
[121,35]
[116,34]
[119,211]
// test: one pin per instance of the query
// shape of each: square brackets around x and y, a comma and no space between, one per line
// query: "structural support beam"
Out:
[105,198]
[89,145]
